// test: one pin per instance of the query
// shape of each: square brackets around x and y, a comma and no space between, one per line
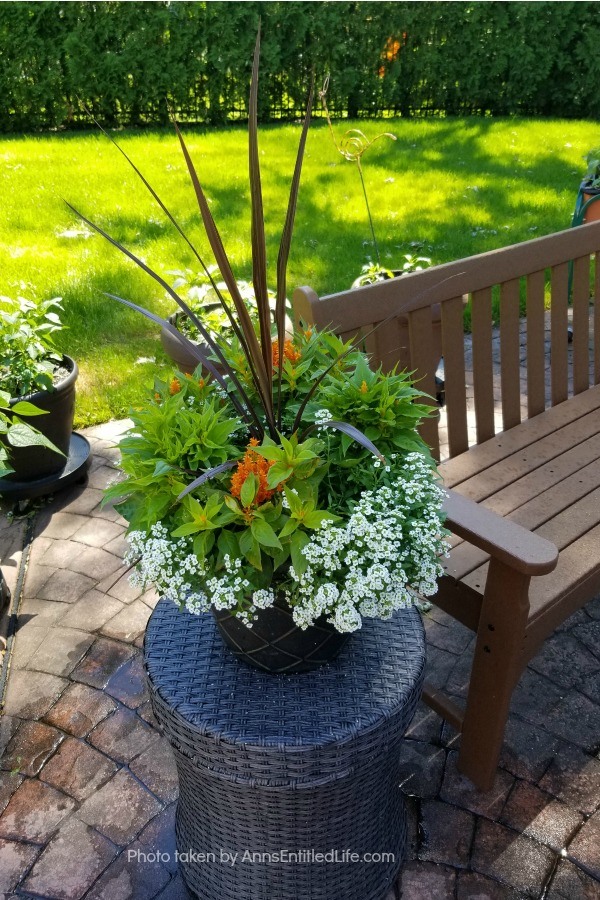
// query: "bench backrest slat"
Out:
[420,329]
[453,350]
[581,324]
[536,352]
[483,374]
[422,316]
[510,353]
[559,347]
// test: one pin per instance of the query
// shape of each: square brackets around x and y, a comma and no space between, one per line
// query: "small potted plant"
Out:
[36,378]
[290,493]
[372,272]
[588,206]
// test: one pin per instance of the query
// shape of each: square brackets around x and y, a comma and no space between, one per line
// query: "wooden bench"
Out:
[524,495]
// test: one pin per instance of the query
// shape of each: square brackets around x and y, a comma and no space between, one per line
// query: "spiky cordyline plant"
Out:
[257,350]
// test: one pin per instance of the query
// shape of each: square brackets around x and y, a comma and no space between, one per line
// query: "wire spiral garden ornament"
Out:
[352,146]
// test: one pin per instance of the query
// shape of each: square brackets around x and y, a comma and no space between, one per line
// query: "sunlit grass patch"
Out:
[446,188]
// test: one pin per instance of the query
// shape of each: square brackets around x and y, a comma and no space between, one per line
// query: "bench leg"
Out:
[496,670]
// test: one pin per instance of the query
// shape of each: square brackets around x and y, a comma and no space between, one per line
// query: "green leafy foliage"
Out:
[28,356]
[592,175]
[249,529]
[181,428]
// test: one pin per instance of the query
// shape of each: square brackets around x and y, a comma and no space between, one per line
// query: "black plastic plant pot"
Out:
[275,644]
[32,463]
[588,189]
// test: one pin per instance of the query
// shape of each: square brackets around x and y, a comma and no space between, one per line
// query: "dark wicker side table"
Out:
[280,769]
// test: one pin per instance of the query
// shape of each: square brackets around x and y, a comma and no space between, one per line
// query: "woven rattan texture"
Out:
[286,762]
[282,728]
[364,813]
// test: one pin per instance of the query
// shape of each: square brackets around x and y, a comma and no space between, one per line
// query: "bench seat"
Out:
[524,494]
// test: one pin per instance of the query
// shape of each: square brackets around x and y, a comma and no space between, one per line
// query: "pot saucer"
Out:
[75,468]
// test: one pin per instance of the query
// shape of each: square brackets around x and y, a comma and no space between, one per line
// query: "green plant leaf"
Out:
[251,548]
[278,473]
[315,519]
[249,489]
[290,526]
[22,435]
[298,541]
[264,534]
[24,408]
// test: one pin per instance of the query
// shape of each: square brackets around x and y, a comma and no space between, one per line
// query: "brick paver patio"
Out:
[88,786]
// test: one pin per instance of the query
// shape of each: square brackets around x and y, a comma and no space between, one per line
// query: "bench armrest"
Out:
[507,541]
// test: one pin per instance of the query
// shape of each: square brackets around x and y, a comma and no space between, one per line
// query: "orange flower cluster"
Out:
[252,463]
[175,386]
[289,352]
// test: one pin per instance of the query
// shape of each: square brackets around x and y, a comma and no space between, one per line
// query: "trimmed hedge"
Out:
[127,62]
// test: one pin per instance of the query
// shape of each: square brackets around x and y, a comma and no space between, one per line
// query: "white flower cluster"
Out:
[171,565]
[322,416]
[377,561]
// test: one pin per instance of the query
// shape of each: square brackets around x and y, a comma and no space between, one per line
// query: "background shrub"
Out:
[127,62]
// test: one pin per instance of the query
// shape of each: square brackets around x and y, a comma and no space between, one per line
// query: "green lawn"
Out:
[450,187]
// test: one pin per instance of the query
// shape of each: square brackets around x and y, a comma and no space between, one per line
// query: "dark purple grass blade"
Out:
[176,225]
[205,334]
[259,249]
[355,433]
[255,359]
[286,242]
[216,470]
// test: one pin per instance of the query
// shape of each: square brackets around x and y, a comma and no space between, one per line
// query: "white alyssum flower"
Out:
[382,558]
[379,559]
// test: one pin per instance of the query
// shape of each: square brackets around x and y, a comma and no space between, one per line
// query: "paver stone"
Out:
[30,747]
[60,651]
[102,660]
[70,863]
[78,770]
[156,769]
[123,735]
[80,709]
[15,859]
[34,812]
[424,881]
[538,815]
[31,694]
[120,809]
[511,858]
[447,834]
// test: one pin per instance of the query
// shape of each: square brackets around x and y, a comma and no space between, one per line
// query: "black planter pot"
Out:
[32,463]
[4,592]
[275,644]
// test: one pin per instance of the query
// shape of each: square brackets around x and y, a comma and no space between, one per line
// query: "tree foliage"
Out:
[128,61]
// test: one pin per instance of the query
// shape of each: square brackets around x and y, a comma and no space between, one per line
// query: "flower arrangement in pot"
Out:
[290,493]
[38,390]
